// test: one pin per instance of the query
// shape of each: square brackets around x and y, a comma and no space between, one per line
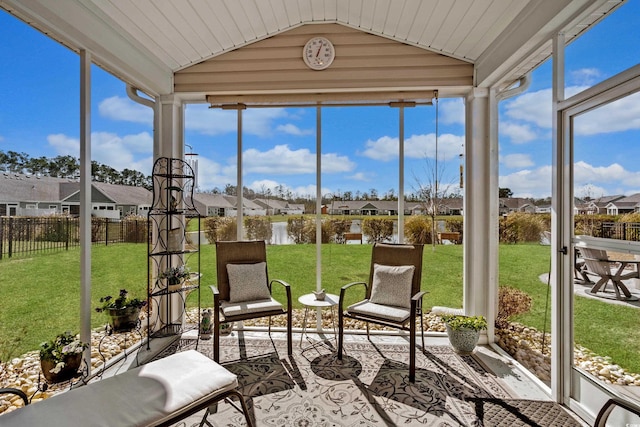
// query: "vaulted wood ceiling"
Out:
[146,42]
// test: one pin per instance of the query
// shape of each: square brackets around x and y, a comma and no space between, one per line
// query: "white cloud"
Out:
[535,107]
[512,161]
[452,111]
[213,121]
[528,183]
[292,129]
[110,149]
[360,176]
[603,180]
[416,146]
[212,174]
[281,160]
[585,76]
[124,109]
[519,134]
[621,115]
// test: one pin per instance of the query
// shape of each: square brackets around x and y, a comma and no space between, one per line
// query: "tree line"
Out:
[69,167]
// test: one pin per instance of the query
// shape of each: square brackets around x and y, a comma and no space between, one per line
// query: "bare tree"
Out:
[430,191]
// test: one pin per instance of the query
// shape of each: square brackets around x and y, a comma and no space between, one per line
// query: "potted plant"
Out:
[60,357]
[123,312]
[175,276]
[464,331]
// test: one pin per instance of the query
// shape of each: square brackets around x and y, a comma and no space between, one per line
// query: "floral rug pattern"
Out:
[369,387]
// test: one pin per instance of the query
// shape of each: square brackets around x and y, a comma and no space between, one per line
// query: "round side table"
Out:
[309,301]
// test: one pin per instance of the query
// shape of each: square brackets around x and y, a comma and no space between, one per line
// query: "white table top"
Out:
[309,300]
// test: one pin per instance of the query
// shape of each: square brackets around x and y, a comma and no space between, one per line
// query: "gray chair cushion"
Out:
[247,307]
[248,282]
[391,285]
[380,311]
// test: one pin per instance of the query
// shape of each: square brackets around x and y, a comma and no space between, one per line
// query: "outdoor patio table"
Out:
[310,301]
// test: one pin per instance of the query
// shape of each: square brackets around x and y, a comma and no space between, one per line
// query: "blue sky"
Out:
[40,104]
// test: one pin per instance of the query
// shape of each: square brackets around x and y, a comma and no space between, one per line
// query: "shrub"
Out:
[338,228]
[417,229]
[258,228]
[455,225]
[295,229]
[53,228]
[220,228]
[511,302]
[521,227]
[377,230]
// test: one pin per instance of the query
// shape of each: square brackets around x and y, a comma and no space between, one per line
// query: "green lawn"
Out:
[41,294]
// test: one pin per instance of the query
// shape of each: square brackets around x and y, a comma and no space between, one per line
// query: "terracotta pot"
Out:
[71,365]
[123,319]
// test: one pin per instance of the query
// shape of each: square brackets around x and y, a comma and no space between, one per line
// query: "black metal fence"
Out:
[24,235]
[620,231]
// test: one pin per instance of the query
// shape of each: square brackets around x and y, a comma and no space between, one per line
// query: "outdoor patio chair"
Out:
[609,271]
[392,295]
[243,290]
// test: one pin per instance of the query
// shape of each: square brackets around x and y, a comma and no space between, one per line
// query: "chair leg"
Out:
[289,333]
[412,350]
[340,333]
[422,330]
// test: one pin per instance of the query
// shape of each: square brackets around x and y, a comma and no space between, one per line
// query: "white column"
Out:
[401,174]
[171,138]
[171,145]
[561,234]
[478,205]
[85,204]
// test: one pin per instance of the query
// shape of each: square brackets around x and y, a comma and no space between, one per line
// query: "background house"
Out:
[31,195]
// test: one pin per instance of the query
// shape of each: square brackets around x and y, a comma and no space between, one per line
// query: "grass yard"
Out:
[41,295]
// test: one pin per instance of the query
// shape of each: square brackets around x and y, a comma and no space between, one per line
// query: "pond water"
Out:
[280,237]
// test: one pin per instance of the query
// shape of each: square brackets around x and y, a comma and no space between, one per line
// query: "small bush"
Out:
[258,228]
[338,227]
[220,228]
[511,302]
[295,229]
[377,230]
[520,227]
[417,229]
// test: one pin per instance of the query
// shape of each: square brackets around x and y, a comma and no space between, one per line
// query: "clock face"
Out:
[318,53]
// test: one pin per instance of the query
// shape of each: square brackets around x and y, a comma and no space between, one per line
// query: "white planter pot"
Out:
[463,340]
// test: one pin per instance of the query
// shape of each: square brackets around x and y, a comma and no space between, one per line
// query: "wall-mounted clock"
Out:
[318,53]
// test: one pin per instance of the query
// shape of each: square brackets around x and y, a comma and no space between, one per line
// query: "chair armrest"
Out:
[609,406]
[287,288]
[343,291]
[417,298]
[10,390]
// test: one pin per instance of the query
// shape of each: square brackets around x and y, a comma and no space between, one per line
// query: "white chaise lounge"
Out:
[158,393]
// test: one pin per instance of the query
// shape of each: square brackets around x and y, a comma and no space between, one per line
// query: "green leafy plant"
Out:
[60,348]
[175,275]
[121,302]
[457,322]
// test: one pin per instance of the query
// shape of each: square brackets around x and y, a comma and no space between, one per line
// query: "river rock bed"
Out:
[522,343]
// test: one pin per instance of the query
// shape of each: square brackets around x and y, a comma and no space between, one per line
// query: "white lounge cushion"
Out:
[391,285]
[247,307]
[144,396]
[380,311]
[248,282]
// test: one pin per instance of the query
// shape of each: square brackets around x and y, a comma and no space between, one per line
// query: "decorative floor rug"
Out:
[368,387]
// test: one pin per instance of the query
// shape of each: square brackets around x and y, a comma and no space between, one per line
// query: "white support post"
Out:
[319,211]
[561,234]
[239,183]
[477,204]
[401,175]
[85,204]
